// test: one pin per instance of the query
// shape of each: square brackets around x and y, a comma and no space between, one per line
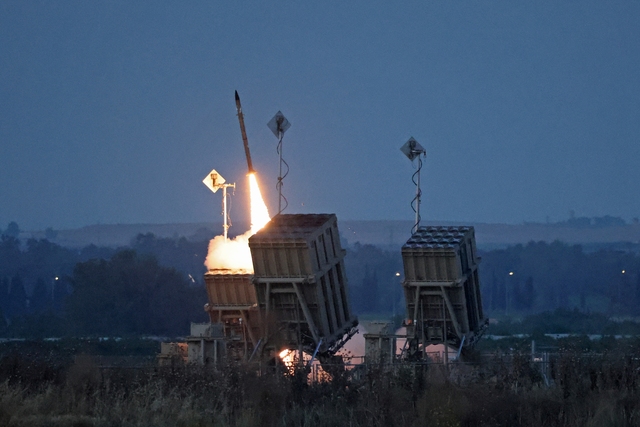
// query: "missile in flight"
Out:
[244,133]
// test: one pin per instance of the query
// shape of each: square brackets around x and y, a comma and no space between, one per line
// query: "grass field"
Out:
[504,390]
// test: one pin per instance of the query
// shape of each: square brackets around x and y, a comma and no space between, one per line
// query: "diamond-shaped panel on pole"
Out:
[412,149]
[214,180]
[279,124]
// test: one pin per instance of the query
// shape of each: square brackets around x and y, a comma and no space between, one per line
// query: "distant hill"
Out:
[115,235]
[387,234]
[489,236]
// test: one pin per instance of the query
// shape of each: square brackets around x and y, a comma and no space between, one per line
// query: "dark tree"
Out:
[40,300]
[501,294]
[488,290]
[13,230]
[180,253]
[17,298]
[528,294]
[3,321]
[637,296]
[10,255]
[132,294]
[4,293]
[369,266]
[369,293]
[47,260]
[50,233]
[59,294]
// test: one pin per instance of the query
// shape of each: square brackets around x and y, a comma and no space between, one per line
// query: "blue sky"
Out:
[114,111]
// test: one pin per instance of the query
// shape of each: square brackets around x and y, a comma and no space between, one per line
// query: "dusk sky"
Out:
[114,111]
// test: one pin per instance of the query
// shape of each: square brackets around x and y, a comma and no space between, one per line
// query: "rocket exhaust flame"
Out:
[233,256]
[259,212]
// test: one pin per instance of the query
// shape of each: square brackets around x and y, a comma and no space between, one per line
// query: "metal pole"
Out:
[444,332]
[224,208]
[533,350]
[423,337]
[418,194]
[280,134]
[255,349]
[460,348]
[413,151]
[279,125]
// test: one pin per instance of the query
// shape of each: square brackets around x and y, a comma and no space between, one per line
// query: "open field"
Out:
[573,389]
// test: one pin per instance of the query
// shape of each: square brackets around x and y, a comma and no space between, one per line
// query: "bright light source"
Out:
[397,274]
[259,212]
[288,357]
[284,353]
[235,255]
[623,271]
[511,273]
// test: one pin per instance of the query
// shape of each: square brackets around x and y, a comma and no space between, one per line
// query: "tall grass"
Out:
[585,391]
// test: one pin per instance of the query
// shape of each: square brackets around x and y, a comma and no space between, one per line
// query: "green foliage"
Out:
[121,294]
[131,294]
[17,302]
[4,296]
[562,321]
[565,321]
[37,264]
[41,325]
[40,300]
[10,255]
[182,254]
[542,276]
[373,284]
[3,322]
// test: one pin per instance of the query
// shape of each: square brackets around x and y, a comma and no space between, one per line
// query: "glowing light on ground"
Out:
[291,360]
[233,256]
[288,357]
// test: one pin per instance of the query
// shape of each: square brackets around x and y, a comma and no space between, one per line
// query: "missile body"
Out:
[244,133]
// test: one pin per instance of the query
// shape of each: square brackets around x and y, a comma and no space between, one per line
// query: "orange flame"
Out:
[234,256]
[259,212]
[288,357]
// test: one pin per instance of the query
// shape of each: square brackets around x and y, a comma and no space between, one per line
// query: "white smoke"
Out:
[231,254]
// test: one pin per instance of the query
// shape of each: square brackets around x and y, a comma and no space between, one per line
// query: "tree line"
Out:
[50,290]
[542,276]
[515,281]
[155,285]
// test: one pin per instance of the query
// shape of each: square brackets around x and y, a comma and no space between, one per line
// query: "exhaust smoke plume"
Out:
[233,255]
